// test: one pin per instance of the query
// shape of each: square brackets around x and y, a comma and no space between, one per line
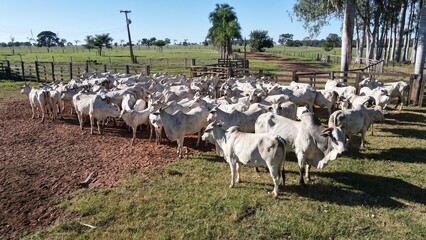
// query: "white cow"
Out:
[267,150]
[244,120]
[95,107]
[135,118]
[38,99]
[355,121]
[313,144]
[326,99]
[179,124]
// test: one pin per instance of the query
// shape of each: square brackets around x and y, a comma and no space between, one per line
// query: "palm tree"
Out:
[225,28]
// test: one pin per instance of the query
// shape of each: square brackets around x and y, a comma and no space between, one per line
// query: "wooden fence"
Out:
[224,68]
[353,78]
[62,71]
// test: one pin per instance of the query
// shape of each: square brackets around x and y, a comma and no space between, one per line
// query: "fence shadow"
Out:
[406,116]
[361,190]
[407,133]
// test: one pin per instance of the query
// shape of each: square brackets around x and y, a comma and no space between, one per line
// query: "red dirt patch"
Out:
[42,162]
[291,66]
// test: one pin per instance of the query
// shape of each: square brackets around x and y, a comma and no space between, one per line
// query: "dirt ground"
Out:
[42,162]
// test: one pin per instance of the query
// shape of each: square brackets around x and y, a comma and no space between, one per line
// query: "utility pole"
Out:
[132,57]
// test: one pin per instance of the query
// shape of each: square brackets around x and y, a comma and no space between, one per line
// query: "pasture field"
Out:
[175,58]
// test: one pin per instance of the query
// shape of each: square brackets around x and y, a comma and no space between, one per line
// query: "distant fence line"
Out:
[64,71]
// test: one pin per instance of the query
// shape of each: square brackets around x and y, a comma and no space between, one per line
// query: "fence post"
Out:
[70,70]
[105,67]
[148,70]
[421,93]
[357,81]
[37,71]
[294,76]
[87,67]
[8,70]
[332,75]
[193,62]
[53,71]
[261,72]
[230,73]
[22,70]
[127,69]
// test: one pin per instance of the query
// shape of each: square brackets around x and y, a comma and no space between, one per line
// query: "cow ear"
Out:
[326,132]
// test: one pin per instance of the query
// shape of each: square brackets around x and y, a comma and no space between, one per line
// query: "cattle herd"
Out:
[251,121]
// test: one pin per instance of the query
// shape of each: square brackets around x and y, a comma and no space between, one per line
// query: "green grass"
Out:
[376,193]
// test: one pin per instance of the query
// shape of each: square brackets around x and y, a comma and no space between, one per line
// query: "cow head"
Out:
[212,115]
[336,143]
[25,89]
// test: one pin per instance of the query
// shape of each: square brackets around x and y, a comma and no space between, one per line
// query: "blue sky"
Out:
[174,19]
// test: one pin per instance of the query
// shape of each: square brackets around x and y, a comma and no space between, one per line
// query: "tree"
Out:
[47,39]
[316,14]
[225,28]
[284,38]
[160,44]
[331,41]
[12,40]
[167,41]
[98,42]
[259,40]
[62,42]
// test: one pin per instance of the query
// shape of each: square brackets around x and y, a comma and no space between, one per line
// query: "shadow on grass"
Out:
[406,116]
[408,133]
[407,155]
[361,190]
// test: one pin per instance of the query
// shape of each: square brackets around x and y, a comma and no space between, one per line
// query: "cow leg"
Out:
[199,138]
[99,123]
[397,103]
[301,162]
[42,113]
[362,139]
[151,131]
[134,135]
[33,108]
[308,173]
[232,165]
[92,119]
[180,145]
[80,119]
[238,167]
[275,174]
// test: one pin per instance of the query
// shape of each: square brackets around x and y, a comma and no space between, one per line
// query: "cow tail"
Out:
[283,143]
